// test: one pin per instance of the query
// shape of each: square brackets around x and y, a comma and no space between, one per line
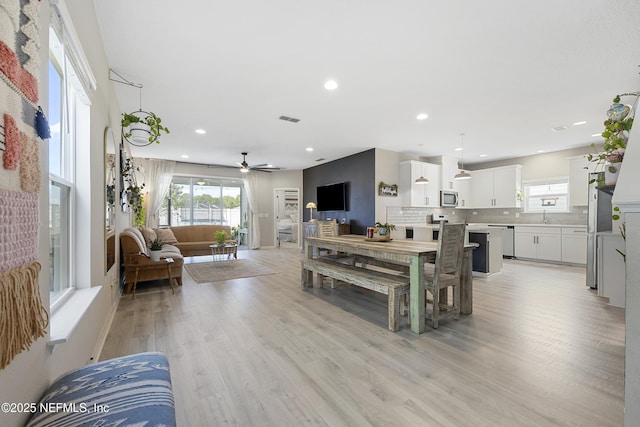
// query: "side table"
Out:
[218,252]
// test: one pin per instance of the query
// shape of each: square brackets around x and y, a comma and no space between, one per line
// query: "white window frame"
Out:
[77,86]
[528,198]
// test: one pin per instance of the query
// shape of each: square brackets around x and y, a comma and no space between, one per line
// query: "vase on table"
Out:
[154,255]
[611,172]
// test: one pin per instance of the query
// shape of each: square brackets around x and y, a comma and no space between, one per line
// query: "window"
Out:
[195,200]
[547,196]
[68,114]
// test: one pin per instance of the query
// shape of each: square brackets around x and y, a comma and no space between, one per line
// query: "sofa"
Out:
[193,240]
[132,390]
[135,257]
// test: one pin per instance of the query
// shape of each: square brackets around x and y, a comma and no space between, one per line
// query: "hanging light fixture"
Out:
[462,174]
[422,179]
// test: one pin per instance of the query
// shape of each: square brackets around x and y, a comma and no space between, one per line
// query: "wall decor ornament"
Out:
[390,190]
[23,318]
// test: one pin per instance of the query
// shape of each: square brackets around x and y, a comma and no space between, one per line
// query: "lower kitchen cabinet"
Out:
[574,245]
[541,243]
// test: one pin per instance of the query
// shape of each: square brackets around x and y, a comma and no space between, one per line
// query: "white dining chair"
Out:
[399,233]
[422,233]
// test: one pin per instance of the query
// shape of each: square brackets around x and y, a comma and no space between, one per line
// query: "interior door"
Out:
[287,217]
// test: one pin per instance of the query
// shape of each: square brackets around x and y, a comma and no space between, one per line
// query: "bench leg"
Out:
[306,279]
[394,309]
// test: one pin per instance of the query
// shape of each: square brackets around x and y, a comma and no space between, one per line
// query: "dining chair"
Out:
[446,274]
[423,233]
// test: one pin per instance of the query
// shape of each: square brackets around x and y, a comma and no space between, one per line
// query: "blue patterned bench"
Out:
[126,391]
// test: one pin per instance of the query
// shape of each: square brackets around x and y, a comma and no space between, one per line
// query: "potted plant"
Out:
[384,229]
[142,127]
[221,237]
[616,133]
[155,247]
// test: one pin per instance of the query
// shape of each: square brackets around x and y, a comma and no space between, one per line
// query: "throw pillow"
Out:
[166,235]
[149,235]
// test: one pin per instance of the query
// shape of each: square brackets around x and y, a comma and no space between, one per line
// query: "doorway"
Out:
[286,217]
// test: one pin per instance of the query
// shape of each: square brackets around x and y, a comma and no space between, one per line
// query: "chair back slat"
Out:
[326,229]
[450,249]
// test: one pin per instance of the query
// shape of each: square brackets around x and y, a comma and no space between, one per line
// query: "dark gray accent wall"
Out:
[358,171]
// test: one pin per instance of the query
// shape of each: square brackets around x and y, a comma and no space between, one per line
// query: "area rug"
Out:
[218,271]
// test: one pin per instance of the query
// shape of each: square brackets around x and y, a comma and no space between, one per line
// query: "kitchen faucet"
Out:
[544,217]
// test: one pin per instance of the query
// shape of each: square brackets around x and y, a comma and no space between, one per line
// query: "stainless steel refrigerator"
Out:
[598,220]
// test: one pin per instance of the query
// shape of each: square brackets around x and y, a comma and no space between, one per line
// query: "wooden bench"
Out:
[394,286]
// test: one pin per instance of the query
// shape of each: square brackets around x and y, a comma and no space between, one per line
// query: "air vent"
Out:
[289,119]
[321,159]
[559,128]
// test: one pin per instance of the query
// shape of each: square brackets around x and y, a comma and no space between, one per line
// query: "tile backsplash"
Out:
[418,216]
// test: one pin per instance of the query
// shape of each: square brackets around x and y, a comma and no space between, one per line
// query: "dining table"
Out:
[401,253]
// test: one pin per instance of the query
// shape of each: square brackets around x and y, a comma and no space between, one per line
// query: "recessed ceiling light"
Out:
[331,85]
[483,155]
[596,134]
[309,149]
[185,156]
[201,131]
[459,149]
[422,116]
[541,151]
[580,123]
[559,128]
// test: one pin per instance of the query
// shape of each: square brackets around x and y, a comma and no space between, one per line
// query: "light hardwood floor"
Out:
[540,349]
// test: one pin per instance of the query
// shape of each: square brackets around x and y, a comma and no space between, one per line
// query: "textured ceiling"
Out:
[504,73]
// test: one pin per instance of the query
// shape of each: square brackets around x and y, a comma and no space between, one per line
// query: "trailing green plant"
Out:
[156,245]
[615,134]
[385,225]
[221,237]
[623,230]
[133,192]
[150,119]
[234,233]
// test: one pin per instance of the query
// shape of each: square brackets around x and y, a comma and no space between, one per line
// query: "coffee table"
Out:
[219,251]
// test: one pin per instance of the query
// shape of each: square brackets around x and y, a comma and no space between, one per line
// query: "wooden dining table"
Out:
[403,253]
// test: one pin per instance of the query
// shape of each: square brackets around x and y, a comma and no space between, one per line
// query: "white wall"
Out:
[26,378]
[538,166]
[387,171]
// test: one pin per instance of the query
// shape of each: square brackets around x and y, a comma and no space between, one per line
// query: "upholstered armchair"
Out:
[135,255]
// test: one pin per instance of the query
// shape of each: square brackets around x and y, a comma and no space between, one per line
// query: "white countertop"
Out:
[484,225]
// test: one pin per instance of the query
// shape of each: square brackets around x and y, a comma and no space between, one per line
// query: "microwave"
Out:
[448,199]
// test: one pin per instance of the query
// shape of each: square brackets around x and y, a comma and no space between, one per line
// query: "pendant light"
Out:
[462,174]
[422,179]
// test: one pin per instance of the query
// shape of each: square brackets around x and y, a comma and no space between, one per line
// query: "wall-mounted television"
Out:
[332,197]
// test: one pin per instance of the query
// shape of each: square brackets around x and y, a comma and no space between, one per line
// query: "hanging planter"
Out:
[142,128]
[616,133]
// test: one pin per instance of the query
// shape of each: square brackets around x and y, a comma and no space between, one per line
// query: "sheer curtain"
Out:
[251,187]
[159,178]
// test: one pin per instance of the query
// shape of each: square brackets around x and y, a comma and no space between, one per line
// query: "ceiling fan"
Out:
[245,167]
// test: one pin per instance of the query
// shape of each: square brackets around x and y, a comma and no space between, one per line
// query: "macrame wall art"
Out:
[23,318]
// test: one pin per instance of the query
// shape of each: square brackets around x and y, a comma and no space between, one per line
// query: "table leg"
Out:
[170,278]
[135,283]
[466,283]
[416,294]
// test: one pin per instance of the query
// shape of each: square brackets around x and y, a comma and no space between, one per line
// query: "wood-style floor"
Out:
[540,349]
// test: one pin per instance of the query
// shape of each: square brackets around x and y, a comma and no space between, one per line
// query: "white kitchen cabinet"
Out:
[540,243]
[464,193]
[449,171]
[419,195]
[574,245]
[496,187]
[578,181]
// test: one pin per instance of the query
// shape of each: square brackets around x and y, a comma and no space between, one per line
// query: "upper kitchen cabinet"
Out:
[449,171]
[496,187]
[419,195]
